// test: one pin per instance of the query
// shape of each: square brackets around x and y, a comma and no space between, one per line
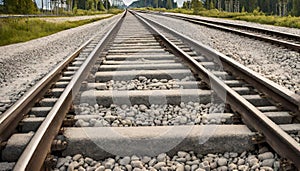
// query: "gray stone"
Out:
[222,168]
[187,167]
[146,159]
[263,150]
[241,162]
[61,162]
[179,167]
[137,164]
[128,167]
[159,165]
[164,80]
[265,168]
[222,161]
[88,160]
[243,167]
[152,162]
[108,165]
[183,120]
[266,155]
[124,161]
[134,157]
[81,169]
[233,154]
[268,162]
[100,168]
[232,166]
[181,159]
[255,166]
[89,168]
[117,168]
[2,109]
[75,164]
[142,78]
[253,161]
[276,165]
[194,167]
[213,165]
[204,165]
[193,162]
[63,168]
[161,157]
[143,107]
[77,157]
[182,154]
[243,154]
[199,169]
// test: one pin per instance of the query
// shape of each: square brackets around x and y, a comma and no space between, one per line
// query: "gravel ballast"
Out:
[261,159]
[23,64]
[276,63]
[154,115]
[144,83]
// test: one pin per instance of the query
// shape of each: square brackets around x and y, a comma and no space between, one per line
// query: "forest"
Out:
[269,7]
[272,7]
[30,6]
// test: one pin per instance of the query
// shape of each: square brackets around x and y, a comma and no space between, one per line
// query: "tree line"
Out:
[18,7]
[30,6]
[168,4]
[272,7]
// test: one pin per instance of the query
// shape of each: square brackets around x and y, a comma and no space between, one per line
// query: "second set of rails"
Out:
[142,63]
[287,40]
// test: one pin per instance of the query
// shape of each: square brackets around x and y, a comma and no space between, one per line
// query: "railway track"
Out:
[288,40]
[143,90]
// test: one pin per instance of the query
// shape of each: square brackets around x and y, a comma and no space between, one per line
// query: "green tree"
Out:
[186,5]
[155,3]
[243,9]
[100,6]
[19,6]
[90,5]
[106,4]
[196,5]
[296,8]
[169,4]
[211,5]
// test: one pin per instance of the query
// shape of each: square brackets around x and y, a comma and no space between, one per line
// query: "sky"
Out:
[127,2]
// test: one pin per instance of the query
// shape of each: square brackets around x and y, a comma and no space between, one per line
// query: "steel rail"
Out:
[11,117]
[39,146]
[282,95]
[217,25]
[258,29]
[279,140]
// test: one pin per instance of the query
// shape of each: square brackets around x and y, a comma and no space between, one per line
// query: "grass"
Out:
[255,16]
[23,29]
[80,12]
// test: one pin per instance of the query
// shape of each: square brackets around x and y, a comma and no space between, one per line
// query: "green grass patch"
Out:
[24,29]
[255,16]
[80,12]
[289,21]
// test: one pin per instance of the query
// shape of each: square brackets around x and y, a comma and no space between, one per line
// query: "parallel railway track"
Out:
[288,40]
[135,64]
